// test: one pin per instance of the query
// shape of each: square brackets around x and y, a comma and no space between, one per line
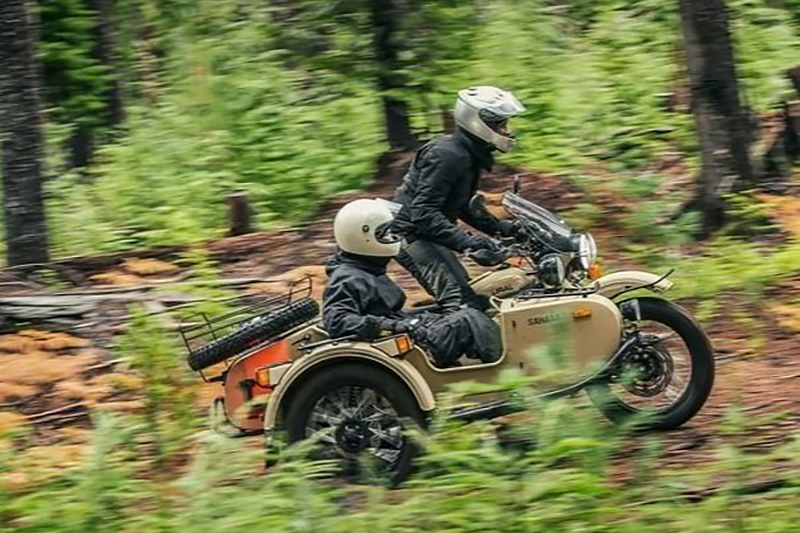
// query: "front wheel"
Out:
[666,376]
[357,414]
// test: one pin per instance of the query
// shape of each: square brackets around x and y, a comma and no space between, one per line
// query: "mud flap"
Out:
[222,425]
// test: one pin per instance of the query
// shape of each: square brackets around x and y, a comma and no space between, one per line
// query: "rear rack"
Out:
[199,329]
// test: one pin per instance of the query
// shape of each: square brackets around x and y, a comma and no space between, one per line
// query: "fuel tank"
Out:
[502,282]
[584,332]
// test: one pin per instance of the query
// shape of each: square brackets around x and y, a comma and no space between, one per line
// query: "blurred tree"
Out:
[386,15]
[105,52]
[21,135]
[75,80]
[722,124]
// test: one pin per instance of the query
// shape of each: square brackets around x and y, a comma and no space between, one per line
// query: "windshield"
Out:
[536,214]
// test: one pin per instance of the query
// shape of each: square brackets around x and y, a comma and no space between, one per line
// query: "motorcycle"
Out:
[633,354]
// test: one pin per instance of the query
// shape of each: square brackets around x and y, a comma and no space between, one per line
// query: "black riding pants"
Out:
[465,331]
[440,273]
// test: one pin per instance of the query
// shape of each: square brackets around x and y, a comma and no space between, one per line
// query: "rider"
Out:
[437,189]
[362,302]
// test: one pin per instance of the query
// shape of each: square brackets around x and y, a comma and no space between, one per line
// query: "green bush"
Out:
[468,482]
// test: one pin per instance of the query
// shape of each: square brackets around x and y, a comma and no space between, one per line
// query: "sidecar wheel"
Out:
[656,372]
[358,414]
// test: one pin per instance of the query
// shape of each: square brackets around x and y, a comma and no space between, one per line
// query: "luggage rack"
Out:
[532,294]
[199,329]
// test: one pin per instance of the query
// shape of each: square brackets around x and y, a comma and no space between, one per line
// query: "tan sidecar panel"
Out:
[590,329]
[343,352]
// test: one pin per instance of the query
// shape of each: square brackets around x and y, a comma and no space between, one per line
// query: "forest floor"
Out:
[53,375]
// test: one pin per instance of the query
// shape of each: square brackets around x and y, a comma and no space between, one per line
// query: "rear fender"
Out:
[341,352]
[613,284]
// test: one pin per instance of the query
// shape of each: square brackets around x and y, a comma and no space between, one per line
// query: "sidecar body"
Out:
[260,384]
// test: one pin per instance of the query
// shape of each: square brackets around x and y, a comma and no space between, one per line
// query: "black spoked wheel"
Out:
[668,374]
[357,415]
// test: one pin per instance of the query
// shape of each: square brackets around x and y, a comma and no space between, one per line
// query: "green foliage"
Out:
[735,266]
[213,301]
[231,119]
[282,102]
[75,80]
[101,492]
[469,480]
[169,387]
[748,216]
[766,46]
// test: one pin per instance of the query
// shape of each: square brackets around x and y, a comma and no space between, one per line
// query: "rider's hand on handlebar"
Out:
[482,242]
[513,229]
[489,257]
[486,251]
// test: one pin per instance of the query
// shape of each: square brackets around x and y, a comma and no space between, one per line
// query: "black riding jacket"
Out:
[360,300]
[436,190]
[358,296]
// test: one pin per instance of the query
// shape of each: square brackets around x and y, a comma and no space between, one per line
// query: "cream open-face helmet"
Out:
[362,227]
[484,111]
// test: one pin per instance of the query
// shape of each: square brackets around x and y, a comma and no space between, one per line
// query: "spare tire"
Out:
[260,329]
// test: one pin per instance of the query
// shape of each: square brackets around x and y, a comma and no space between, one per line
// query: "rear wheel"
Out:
[668,374]
[357,414]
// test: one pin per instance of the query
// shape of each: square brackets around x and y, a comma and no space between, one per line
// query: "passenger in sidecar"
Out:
[363,303]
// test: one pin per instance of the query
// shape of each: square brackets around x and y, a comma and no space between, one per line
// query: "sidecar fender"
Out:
[613,284]
[339,353]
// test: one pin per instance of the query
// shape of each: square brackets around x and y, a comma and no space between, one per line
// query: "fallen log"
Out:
[71,305]
[46,414]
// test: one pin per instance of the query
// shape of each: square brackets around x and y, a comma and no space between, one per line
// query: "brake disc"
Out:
[647,371]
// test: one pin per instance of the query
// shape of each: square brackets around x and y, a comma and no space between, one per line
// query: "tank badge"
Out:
[545,319]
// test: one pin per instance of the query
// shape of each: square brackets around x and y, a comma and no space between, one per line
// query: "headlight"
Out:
[552,270]
[587,250]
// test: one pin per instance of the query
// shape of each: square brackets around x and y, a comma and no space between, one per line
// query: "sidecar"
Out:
[355,397]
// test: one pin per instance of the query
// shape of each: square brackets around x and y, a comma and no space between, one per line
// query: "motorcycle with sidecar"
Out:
[629,348]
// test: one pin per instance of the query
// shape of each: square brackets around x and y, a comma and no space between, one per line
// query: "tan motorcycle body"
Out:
[510,280]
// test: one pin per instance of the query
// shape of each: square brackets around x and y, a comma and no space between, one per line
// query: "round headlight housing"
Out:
[552,271]
[587,250]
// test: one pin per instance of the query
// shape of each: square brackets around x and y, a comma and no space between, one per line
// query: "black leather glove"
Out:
[482,242]
[508,228]
[396,326]
[489,257]
[514,229]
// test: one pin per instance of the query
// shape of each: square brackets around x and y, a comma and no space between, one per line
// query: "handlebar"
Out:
[492,257]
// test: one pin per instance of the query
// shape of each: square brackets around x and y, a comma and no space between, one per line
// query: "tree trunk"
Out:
[239,214]
[385,18]
[794,76]
[105,52]
[21,134]
[722,124]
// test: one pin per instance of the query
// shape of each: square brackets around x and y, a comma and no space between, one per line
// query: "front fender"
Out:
[341,352]
[613,284]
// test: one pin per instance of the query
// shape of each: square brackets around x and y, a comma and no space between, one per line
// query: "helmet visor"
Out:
[385,235]
[509,106]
